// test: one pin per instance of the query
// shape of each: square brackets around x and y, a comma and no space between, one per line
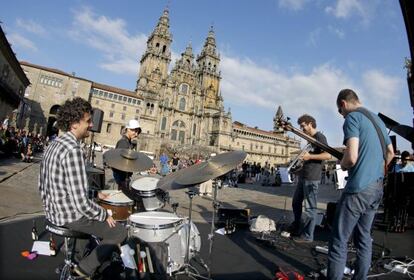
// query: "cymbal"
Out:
[168,182]
[213,168]
[127,160]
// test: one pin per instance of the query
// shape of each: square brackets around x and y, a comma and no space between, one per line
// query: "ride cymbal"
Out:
[213,168]
[127,160]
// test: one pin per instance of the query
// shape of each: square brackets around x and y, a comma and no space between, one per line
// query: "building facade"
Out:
[178,109]
[13,83]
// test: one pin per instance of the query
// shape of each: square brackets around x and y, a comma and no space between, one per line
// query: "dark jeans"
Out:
[355,213]
[308,191]
[111,237]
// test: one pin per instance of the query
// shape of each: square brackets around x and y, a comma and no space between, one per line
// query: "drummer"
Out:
[132,130]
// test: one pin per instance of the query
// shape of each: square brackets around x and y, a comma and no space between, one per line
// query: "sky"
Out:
[297,54]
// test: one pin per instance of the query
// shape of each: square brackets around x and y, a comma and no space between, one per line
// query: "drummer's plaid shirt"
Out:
[63,183]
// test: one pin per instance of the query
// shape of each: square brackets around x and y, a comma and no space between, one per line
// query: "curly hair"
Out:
[72,111]
[307,119]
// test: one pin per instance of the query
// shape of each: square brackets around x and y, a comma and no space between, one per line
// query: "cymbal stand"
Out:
[188,268]
[216,205]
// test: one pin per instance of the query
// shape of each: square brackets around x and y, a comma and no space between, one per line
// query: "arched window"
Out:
[163,123]
[166,102]
[182,104]
[178,131]
[194,129]
[184,88]
[164,48]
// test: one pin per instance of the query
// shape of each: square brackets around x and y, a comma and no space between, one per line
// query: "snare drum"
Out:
[155,226]
[146,188]
[120,205]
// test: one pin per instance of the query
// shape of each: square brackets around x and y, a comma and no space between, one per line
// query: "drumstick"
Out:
[114,193]
[139,258]
[150,267]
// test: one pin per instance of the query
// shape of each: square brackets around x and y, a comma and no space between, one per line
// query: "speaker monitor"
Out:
[97,118]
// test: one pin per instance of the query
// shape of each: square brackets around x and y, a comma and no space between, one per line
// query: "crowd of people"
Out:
[19,143]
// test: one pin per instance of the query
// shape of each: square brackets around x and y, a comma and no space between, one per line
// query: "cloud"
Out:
[120,50]
[294,5]
[18,40]
[382,91]
[354,8]
[313,38]
[30,26]
[337,32]
[250,85]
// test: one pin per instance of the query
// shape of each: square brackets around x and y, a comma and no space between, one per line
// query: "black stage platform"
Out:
[236,256]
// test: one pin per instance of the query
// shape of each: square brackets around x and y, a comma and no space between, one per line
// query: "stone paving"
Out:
[19,195]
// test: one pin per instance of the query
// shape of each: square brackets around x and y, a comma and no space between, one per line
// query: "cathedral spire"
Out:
[162,29]
[278,116]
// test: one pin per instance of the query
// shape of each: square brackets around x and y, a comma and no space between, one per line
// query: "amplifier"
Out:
[237,216]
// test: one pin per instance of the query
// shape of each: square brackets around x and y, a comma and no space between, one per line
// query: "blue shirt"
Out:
[370,164]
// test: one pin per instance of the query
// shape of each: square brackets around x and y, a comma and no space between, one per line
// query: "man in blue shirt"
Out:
[364,160]
[405,165]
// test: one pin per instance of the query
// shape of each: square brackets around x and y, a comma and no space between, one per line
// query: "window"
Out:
[115,96]
[124,108]
[173,134]
[139,102]
[166,102]
[184,88]
[194,129]
[163,123]
[182,104]
[110,96]
[105,94]
[119,97]
[137,111]
[111,114]
[108,128]
[134,101]
[112,105]
[123,116]
[178,129]
[97,102]
[129,100]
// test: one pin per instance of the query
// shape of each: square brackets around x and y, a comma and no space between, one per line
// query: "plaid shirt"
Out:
[63,183]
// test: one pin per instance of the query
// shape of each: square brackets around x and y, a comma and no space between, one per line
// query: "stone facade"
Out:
[178,110]
[13,83]
[48,90]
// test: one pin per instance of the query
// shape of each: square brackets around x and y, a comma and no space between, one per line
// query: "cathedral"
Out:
[179,106]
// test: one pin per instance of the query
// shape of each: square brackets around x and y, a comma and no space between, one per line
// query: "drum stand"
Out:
[188,269]
[216,205]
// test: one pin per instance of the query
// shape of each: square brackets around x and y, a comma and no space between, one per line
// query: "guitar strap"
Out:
[367,114]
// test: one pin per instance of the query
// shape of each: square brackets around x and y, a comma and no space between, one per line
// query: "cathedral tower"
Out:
[209,74]
[157,57]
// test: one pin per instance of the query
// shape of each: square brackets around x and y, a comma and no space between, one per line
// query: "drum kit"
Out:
[179,235]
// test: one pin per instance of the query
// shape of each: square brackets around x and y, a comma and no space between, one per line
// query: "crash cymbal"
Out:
[127,160]
[168,182]
[213,168]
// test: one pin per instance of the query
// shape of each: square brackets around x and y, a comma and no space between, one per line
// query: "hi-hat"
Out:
[213,168]
[127,160]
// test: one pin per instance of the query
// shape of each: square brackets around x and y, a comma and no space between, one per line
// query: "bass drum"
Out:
[166,227]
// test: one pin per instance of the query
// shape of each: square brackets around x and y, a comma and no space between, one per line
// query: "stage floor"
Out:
[236,256]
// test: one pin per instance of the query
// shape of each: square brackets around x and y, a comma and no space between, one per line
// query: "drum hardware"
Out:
[187,268]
